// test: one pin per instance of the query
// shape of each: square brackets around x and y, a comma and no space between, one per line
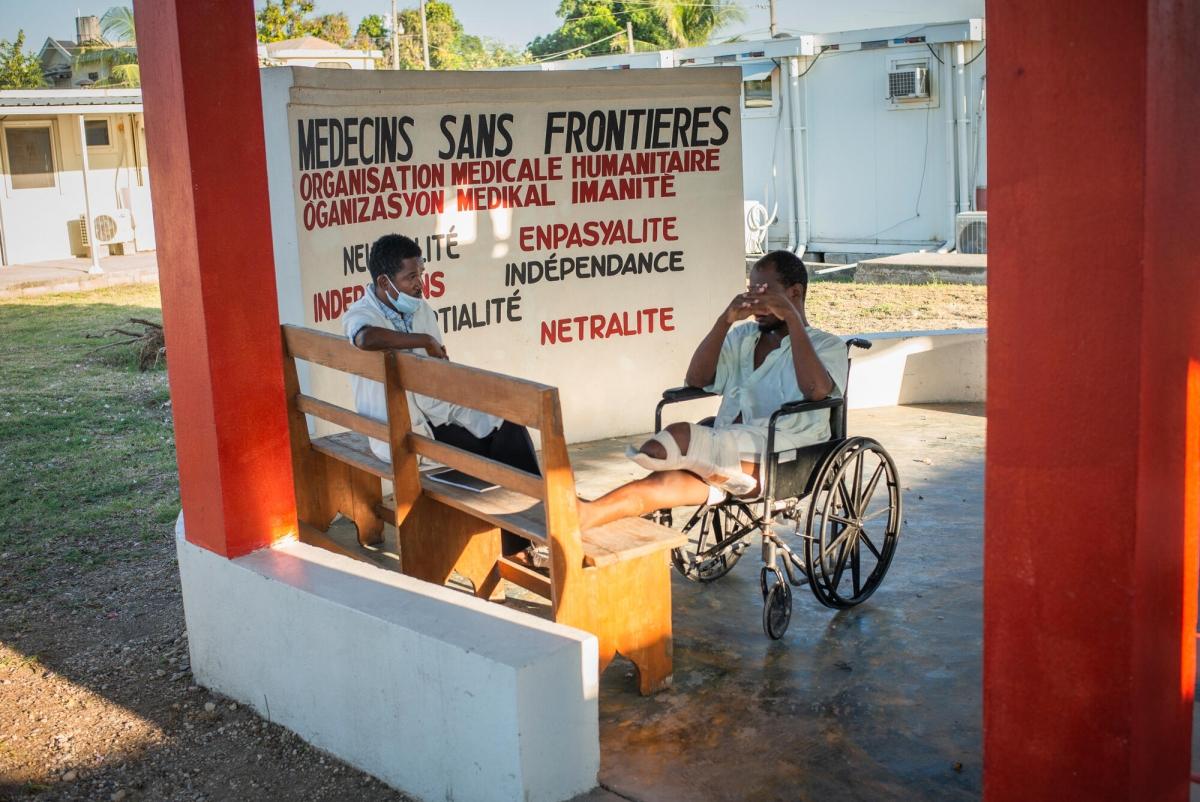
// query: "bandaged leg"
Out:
[712,454]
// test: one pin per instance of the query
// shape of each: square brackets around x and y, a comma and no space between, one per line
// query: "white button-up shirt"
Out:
[754,394]
[426,412]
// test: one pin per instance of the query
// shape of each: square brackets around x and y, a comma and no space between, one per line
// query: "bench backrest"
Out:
[517,400]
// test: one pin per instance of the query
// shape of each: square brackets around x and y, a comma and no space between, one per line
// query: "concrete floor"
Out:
[71,275]
[879,702]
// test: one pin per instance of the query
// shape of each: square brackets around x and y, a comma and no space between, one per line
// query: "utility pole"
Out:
[395,38]
[774,26]
[425,34]
[628,37]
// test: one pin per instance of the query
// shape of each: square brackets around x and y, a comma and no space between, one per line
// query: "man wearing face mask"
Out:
[393,314]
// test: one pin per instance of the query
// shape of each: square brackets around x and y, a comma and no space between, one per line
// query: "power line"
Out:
[581,47]
[977,55]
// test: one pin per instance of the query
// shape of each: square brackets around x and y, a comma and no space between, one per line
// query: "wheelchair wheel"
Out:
[777,610]
[714,544]
[853,523]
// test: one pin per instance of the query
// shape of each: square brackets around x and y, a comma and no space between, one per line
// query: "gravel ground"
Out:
[97,703]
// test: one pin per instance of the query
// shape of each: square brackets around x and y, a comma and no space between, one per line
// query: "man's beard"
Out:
[766,328]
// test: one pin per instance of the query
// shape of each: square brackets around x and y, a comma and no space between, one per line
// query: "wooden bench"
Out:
[613,581]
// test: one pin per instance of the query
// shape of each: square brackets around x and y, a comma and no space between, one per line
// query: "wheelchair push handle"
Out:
[858,342]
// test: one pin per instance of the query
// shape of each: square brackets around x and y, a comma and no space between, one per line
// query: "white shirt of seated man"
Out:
[749,395]
[426,412]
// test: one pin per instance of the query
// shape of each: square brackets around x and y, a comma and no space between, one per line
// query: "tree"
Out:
[332,28]
[482,53]
[692,23]
[450,47]
[285,19]
[118,47]
[444,29]
[597,27]
[18,69]
[373,33]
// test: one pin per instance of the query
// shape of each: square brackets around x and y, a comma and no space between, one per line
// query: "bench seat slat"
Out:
[489,470]
[628,538]
[603,545]
[519,513]
[352,448]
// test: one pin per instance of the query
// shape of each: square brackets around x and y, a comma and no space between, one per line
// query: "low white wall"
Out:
[437,693]
[919,367]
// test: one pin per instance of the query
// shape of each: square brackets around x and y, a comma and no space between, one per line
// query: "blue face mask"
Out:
[402,302]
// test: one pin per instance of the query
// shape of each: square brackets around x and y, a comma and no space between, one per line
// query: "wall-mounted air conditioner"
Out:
[970,232]
[112,228]
[908,83]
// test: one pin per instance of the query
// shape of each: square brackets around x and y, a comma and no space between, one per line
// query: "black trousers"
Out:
[510,444]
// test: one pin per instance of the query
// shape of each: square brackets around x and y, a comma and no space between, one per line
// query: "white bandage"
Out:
[713,455]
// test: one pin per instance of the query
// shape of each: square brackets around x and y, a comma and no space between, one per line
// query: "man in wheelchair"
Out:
[756,367]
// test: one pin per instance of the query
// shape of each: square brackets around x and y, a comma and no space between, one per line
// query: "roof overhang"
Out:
[43,102]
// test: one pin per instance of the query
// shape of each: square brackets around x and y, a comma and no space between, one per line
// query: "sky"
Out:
[516,22]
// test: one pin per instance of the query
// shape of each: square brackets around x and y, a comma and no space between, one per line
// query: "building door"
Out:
[33,199]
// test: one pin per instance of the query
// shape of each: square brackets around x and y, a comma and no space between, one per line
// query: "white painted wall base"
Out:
[436,693]
[920,367]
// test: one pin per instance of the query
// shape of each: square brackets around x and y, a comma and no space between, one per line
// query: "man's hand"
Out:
[434,348]
[738,309]
[762,301]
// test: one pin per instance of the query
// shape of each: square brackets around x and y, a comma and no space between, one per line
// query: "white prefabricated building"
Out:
[855,143]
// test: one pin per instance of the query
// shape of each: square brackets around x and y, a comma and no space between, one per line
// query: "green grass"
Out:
[87,454]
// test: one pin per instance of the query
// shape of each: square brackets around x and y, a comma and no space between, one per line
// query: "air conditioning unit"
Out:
[78,234]
[909,83]
[113,228]
[970,232]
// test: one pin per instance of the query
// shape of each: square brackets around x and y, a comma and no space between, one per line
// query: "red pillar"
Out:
[1092,463]
[204,133]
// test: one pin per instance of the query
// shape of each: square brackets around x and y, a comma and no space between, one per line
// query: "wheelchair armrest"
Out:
[674,395]
[684,393]
[793,407]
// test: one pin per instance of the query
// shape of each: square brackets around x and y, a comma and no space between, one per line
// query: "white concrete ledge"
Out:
[920,367]
[436,693]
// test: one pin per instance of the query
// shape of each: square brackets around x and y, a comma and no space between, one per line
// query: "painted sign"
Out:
[580,229]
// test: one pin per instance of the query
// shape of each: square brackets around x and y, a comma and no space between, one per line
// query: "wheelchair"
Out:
[842,497]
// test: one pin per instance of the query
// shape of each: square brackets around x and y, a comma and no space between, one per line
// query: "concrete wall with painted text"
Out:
[608,385]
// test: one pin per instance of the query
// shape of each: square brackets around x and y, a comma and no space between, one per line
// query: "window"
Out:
[757,94]
[30,156]
[93,76]
[96,132]
[760,89]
